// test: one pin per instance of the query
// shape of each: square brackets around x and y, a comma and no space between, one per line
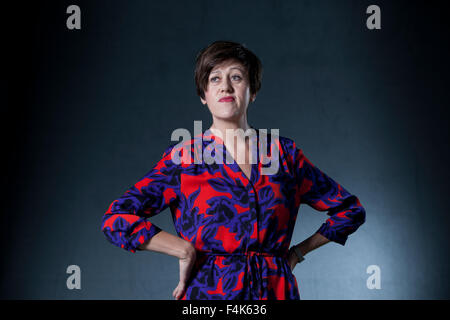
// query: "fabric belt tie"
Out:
[245,253]
[249,255]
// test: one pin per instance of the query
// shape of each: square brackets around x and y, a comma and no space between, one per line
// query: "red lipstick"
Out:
[226,99]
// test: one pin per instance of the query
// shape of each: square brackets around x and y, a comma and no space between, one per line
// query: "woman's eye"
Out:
[235,77]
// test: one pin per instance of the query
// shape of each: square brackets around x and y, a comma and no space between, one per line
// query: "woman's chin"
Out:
[228,115]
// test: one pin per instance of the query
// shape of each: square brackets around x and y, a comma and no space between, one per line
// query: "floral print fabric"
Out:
[240,226]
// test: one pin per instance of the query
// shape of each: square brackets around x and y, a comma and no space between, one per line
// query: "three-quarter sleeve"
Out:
[322,193]
[125,221]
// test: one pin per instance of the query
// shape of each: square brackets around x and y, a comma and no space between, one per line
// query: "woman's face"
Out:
[228,79]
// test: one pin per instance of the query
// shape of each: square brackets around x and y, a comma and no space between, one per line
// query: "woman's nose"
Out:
[226,86]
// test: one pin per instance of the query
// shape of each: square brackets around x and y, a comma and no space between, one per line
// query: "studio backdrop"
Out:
[95,89]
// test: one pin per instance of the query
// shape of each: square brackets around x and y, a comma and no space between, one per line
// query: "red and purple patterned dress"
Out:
[241,227]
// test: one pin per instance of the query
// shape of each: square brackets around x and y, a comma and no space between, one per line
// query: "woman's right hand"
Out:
[186,264]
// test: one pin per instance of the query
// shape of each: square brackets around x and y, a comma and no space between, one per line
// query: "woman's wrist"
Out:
[298,254]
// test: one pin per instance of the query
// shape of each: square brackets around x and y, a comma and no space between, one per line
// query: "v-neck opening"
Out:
[249,178]
[252,165]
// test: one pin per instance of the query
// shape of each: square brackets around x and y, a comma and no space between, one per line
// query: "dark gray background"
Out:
[93,110]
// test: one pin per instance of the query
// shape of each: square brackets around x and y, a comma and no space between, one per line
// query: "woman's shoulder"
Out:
[287,141]
[288,144]
[272,135]
[183,152]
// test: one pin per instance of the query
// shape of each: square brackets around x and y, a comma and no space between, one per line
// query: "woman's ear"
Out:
[253,98]
[203,101]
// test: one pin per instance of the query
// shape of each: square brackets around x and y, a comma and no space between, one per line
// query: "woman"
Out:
[234,223]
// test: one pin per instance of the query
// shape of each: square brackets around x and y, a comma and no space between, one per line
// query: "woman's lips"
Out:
[226,99]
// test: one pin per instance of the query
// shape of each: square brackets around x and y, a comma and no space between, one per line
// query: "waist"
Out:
[245,253]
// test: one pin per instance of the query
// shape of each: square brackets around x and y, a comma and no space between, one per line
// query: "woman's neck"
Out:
[221,127]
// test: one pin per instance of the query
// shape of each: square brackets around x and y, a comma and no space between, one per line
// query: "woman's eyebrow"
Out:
[216,71]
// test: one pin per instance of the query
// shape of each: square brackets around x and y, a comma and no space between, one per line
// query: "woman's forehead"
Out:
[228,64]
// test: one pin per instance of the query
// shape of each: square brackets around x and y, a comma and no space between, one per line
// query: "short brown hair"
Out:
[219,51]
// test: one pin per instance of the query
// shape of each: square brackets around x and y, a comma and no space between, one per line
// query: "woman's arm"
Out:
[322,193]
[315,241]
[125,223]
[318,190]
[167,243]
